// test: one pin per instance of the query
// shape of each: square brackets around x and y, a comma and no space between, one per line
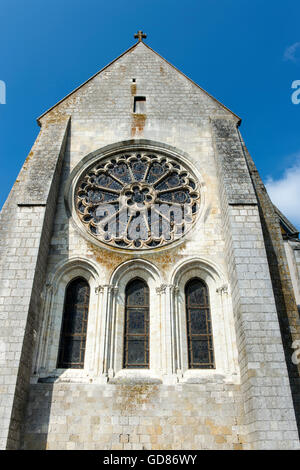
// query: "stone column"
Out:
[98,332]
[112,306]
[168,333]
[160,292]
[177,334]
[223,292]
[104,333]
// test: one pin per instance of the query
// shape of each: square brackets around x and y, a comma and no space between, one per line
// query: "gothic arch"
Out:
[135,268]
[53,307]
[136,325]
[207,268]
[66,270]
[72,344]
[221,316]
[120,278]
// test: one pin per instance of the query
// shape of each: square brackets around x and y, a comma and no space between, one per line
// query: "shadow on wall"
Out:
[283,315]
[35,427]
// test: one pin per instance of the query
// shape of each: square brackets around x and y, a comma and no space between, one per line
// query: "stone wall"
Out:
[134,416]
[245,402]
[284,293]
[25,233]
[269,412]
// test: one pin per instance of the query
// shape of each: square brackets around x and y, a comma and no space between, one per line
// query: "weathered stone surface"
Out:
[24,250]
[144,416]
[245,402]
[284,291]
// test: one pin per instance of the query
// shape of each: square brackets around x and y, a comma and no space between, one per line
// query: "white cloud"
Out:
[285,193]
[291,51]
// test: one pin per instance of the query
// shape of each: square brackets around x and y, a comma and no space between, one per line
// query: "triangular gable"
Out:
[119,57]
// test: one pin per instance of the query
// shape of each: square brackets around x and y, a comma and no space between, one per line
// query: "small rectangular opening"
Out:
[139,105]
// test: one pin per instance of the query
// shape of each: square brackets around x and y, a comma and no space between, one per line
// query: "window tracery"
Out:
[137,200]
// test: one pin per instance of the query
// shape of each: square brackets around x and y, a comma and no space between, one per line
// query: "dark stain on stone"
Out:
[133,90]
[138,124]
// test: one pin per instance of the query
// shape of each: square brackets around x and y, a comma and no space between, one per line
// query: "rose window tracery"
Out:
[137,200]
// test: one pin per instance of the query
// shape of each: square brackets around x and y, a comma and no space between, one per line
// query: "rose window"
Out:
[137,200]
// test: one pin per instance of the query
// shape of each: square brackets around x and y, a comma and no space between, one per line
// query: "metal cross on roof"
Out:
[140,36]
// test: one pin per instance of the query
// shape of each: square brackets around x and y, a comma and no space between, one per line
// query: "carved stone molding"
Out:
[110,288]
[99,289]
[161,289]
[174,288]
[223,289]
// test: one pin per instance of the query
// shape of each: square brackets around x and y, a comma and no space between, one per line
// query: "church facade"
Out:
[149,287]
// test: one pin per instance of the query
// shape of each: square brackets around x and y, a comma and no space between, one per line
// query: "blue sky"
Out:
[245,53]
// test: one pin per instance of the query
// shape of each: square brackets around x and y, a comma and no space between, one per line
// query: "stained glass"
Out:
[136,329]
[74,325]
[136,322]
[117,200]
[136,353]
[198,321]
[200,346]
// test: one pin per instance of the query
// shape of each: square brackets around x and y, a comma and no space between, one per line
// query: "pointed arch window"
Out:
[136,329]
[74,325]
[199,330]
